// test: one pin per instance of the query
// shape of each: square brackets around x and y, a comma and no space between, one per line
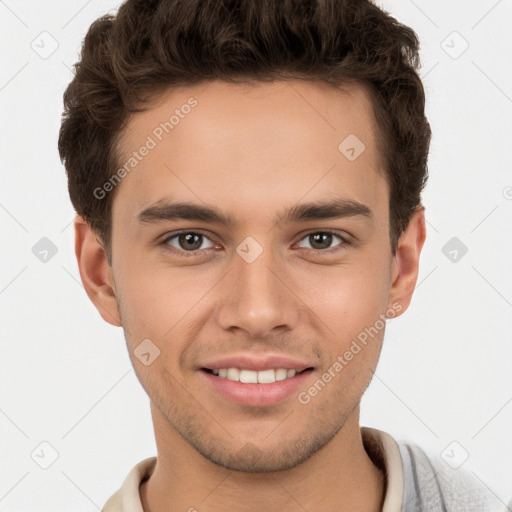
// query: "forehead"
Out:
[239,109]
[258,142]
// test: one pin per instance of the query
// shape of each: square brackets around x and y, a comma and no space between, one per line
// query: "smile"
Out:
[244,376]
[256,388]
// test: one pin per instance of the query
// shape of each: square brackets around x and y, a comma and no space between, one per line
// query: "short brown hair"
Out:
[153,45]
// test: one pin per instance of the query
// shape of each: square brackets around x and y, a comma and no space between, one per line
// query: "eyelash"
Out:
[188,254]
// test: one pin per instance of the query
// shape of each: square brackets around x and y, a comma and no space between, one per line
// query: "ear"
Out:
[405,264]
[95,272]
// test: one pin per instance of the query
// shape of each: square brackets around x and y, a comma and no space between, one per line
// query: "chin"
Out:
[253,459]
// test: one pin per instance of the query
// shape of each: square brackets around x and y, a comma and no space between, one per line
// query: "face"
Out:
[245,238]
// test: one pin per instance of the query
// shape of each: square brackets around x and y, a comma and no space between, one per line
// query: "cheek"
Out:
[350,297]
[156,300]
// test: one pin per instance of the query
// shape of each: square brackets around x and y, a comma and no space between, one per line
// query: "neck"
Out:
[340,477]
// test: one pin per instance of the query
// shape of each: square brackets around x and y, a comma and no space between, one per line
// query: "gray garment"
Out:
[430,485]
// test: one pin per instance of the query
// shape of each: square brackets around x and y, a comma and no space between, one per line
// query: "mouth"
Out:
[254,388]
[246,376]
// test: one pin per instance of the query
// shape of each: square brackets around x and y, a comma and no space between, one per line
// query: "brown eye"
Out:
[187,241]
[322,240]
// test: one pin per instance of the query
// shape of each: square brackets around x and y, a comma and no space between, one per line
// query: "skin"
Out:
[252,151]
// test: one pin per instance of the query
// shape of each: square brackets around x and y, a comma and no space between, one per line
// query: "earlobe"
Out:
[95,272]
[405,265]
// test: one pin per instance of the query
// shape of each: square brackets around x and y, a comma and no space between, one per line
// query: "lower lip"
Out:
[257,395]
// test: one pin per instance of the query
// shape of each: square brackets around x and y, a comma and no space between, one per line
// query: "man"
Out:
[247,178]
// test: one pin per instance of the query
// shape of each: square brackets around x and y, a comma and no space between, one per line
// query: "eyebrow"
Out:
[319,210]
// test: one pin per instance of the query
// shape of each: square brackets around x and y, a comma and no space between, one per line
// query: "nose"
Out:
[258,298]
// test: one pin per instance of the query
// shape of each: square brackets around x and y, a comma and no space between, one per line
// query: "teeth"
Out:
[248,377]
[266,376]
[233,374]
[252,377]
[281,374]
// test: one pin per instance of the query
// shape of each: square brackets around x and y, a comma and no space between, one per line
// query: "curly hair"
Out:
[150,46]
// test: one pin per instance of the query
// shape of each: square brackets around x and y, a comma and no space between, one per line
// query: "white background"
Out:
[444,375]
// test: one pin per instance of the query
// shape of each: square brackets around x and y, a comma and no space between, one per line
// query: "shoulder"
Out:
[431,485]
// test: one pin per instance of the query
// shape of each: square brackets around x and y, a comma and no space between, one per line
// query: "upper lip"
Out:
[256,363]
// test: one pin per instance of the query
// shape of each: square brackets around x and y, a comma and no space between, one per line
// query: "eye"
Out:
[322,240]
[191,243]
[188,241]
